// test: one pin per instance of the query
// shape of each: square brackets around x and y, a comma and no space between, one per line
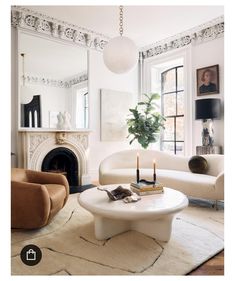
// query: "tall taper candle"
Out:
[137,170]
[138,161]
[154,171]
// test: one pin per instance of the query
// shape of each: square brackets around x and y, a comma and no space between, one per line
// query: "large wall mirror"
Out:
[53,83]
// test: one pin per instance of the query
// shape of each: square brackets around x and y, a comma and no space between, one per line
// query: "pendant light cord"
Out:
[121,20]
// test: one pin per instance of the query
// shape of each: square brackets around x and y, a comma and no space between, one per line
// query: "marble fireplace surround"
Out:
[36,144]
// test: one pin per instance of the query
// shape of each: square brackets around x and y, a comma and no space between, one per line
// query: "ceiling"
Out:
[144,24]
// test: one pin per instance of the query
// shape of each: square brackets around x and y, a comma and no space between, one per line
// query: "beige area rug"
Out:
[69,247]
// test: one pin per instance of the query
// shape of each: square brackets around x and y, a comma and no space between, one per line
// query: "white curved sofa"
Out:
[172,171]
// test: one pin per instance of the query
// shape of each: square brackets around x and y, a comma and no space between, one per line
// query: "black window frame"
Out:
[175,141]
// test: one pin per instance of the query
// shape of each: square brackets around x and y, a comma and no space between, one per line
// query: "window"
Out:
[172,106]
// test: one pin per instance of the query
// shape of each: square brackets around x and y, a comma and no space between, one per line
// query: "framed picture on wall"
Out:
[208,80]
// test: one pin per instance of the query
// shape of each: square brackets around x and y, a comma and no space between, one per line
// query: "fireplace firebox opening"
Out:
[62,160]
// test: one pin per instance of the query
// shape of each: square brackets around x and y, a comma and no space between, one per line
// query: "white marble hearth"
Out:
[35,144]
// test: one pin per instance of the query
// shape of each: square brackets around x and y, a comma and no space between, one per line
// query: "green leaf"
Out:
[144,123]
[141,103]
[155,97]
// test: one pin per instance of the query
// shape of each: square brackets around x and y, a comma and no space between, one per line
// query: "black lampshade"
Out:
[208,109]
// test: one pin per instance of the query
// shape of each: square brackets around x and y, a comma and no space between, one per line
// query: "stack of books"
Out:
[147,188]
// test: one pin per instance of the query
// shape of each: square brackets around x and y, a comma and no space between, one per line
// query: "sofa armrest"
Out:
[30,205]
[219,184]
[48,178]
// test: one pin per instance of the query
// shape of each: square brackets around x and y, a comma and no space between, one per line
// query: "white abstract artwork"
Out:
[114,111]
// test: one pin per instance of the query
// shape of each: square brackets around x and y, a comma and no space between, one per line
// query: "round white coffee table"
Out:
[152,215]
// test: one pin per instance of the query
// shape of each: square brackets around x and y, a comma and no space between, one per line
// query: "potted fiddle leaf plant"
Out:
[145,123]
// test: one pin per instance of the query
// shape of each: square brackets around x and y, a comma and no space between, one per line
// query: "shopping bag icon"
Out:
[30,255]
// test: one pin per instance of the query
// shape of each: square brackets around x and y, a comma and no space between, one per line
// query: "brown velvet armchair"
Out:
[36,197]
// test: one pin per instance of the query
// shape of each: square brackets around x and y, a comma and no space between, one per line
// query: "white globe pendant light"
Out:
[26,94]
[120,54]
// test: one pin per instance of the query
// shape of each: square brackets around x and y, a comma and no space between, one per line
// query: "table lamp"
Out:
[207,110]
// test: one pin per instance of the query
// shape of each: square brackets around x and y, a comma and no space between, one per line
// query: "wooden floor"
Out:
[214,266]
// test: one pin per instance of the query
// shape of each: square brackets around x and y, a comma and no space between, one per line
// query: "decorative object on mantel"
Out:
[202,33]
[26,94]
[60,122]
[53,119]
[31,117]
[208,80]
[118,193]
[30,20]
[207,110]
[64,121]
[120,54]
[67,121]
[145,122]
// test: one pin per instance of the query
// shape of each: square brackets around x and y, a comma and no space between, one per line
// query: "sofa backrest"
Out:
[126,159]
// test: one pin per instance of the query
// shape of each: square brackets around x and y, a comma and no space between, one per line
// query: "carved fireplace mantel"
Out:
[36,144]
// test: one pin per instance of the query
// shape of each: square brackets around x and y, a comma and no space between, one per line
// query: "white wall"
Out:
[203,55]
[100,77]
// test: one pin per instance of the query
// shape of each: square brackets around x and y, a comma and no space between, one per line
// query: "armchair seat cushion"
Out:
[57,195]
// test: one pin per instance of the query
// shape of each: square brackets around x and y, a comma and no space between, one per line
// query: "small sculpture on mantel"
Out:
[60,119]
[64,121]
[67,121]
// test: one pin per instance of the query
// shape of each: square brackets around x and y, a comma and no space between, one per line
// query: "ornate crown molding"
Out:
[203,33]
[37,22]
[55,83]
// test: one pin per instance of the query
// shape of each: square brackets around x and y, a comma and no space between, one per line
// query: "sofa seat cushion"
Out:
[186,182]
[57,196]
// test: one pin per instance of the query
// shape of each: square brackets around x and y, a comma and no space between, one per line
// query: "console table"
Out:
[210,149]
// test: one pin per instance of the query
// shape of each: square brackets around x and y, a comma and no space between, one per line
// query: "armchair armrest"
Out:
[48,178]
[219,185]
[30,205]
